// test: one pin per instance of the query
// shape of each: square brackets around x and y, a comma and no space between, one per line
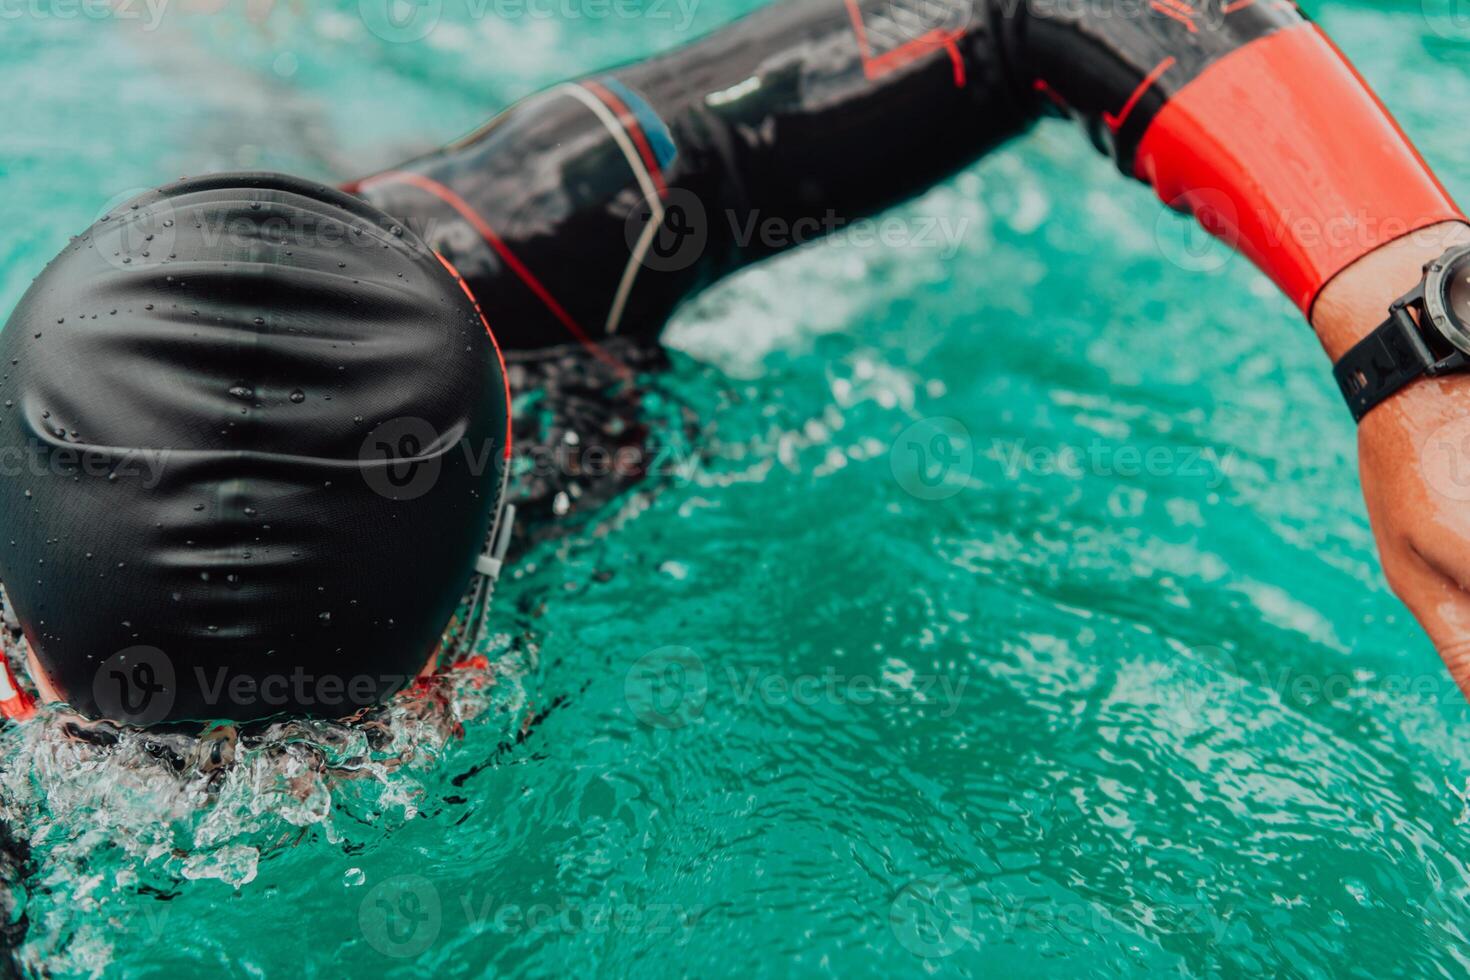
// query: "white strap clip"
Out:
[492,561]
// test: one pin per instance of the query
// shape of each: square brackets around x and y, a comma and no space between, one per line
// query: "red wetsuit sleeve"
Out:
[1282,150]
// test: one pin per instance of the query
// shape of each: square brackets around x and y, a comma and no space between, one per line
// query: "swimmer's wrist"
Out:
[1356,300]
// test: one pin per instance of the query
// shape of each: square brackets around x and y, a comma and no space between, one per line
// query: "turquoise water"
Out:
[1124,691]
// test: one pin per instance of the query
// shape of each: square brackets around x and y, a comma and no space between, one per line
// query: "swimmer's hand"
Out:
[1414,452]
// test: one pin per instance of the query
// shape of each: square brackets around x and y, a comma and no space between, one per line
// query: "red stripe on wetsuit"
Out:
[1281,149]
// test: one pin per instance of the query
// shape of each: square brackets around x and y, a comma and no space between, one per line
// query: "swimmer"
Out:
[266,426]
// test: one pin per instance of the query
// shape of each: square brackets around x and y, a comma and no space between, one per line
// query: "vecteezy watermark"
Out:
[1106,459]
[134,226]
[400,21]
[1184,685]
[140,686]
[136,686]
[404,458]
[924,231]
[672,233]
[941,692]
[148,14]
[60,459]
[1189,683]
[933,917]
[933,459]
[401,916]
[1206,243]
[264,222]
[670,687]
[669,234]
[572,916]
[938,915]
[1450,19]
[667,688]
[1210,242]
[344,693]
[409,21]
[1296,685]
[1444,459]
[150,923]
[140,227]
[576,458]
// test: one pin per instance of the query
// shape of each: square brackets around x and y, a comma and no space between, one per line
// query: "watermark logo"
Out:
[1193,681]
[150,924]
[1444,459]
[1204,244]
[401,916]
[135,686]
[668,235]
[128,232]
[933,459]
[933,917]
[667,688]
[400,21]
[1450,19]
[399,459]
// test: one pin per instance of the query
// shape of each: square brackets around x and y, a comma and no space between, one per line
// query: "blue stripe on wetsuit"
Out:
[659,137]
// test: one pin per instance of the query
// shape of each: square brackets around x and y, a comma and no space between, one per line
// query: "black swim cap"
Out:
[254,435]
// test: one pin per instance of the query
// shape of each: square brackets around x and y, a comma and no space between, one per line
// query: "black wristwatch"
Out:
[1405,347]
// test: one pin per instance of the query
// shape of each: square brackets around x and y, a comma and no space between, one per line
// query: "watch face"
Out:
[1447,297]
[1457,291]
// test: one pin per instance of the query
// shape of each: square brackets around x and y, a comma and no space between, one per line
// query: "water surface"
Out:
[1126,692]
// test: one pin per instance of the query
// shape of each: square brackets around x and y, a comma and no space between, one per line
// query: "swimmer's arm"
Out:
[590,211]
[1412,450]
[1252,120]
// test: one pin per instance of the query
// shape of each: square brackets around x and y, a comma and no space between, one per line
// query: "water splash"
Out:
[113,812]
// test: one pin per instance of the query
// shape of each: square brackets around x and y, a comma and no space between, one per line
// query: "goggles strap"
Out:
[489,565]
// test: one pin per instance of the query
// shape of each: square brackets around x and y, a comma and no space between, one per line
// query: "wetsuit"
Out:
[591,210]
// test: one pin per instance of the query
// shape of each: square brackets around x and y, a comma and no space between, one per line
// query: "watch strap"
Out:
[1383,362]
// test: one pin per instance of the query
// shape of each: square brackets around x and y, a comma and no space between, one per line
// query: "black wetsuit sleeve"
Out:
[789,123]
